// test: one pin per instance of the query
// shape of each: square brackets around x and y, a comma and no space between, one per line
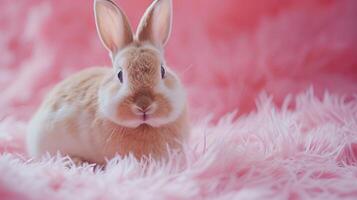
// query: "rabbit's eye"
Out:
[163,72]
[120,76]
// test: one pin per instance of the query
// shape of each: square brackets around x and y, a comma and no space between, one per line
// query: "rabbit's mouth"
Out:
[145,116]
[149,120]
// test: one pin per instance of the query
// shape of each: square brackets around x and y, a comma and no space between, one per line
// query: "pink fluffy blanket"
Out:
[284,71]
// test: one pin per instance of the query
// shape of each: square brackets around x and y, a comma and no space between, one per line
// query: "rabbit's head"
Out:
[142,89]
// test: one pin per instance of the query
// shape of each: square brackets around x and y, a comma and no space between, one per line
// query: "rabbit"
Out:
[138,106]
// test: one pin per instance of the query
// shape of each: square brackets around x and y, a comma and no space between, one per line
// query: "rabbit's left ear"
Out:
[112,25]
[155,25]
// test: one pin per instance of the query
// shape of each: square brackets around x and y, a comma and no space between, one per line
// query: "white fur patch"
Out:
[176,97]
[108,103]
[48,130]
[40,123]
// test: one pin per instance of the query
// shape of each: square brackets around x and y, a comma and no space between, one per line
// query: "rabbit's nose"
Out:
[143,103]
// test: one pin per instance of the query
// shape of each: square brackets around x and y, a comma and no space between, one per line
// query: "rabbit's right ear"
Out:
[112,25]
[155,25]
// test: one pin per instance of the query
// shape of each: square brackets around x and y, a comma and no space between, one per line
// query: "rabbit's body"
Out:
[68,121]
[138,106]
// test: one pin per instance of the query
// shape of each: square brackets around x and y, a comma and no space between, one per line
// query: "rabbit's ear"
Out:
[155,25]
[112,25]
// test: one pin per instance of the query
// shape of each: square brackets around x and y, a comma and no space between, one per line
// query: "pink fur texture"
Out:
[256,59]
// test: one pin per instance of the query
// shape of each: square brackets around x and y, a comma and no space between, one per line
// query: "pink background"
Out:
[227,52]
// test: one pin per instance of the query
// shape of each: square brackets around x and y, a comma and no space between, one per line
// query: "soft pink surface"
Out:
[227,52]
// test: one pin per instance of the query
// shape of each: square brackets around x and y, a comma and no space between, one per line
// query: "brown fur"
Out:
[143,65]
